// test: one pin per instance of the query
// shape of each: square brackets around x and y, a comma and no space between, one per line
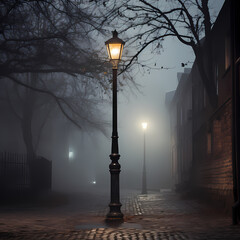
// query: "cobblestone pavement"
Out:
[153,216]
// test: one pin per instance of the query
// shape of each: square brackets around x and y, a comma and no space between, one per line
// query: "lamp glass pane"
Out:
[115,50]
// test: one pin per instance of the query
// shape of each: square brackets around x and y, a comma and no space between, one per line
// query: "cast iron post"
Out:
[144,177]
[114,168]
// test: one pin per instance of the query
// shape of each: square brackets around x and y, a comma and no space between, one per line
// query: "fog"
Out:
[87,167]
[80,159]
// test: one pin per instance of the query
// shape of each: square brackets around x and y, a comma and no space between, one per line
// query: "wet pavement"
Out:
[157,215]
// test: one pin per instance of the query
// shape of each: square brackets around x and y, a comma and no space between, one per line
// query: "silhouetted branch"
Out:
[150,22]
[57,99]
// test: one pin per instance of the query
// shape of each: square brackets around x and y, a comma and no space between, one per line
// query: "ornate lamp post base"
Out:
[114,168]
[115,212]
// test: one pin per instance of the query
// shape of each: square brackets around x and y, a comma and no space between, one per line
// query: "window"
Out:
[216,73]
[209,143]
[227,52]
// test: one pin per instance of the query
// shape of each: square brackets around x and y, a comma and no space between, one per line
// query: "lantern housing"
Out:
[115,47]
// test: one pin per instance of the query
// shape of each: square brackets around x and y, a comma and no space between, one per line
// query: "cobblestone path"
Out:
[152,216]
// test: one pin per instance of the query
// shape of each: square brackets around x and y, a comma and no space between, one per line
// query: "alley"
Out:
[158,215]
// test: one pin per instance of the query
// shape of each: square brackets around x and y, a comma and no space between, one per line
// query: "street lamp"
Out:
[114,48]
[144,175]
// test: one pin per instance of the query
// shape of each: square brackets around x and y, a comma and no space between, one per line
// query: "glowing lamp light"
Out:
[70,154]
[115,47]
[144,125]
[114,51]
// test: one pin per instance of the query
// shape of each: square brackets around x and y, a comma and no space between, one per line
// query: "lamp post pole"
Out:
[144,173]
[114,167]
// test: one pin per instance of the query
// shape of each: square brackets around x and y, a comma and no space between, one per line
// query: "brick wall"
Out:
[215,170]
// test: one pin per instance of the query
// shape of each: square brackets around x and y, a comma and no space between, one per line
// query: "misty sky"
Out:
[149,106]
[134,107]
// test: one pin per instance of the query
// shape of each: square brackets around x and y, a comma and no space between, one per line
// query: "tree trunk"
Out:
[26,122]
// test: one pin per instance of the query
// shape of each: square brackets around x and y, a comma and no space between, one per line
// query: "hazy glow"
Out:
[70,155]
[94,182]
[144,125]
[115,51]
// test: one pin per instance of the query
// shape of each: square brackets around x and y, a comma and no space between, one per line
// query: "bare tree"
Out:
[46,36]
[53,41]
[79,101]
[151,22]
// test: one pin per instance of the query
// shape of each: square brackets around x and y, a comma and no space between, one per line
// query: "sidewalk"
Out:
[152,216]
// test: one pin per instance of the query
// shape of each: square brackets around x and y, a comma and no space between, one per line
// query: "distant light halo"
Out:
[70,154]
[144,125]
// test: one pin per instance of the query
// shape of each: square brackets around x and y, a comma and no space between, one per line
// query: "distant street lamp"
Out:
[114,48]
[144,174]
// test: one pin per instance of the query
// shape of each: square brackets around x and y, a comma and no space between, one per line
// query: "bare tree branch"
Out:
[150,22]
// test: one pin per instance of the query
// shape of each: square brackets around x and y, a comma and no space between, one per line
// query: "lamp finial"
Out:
[115,34]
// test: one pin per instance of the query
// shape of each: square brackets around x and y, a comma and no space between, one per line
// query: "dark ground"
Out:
[158,215]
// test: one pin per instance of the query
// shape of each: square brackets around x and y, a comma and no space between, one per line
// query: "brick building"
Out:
[212,170]
[179,103]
